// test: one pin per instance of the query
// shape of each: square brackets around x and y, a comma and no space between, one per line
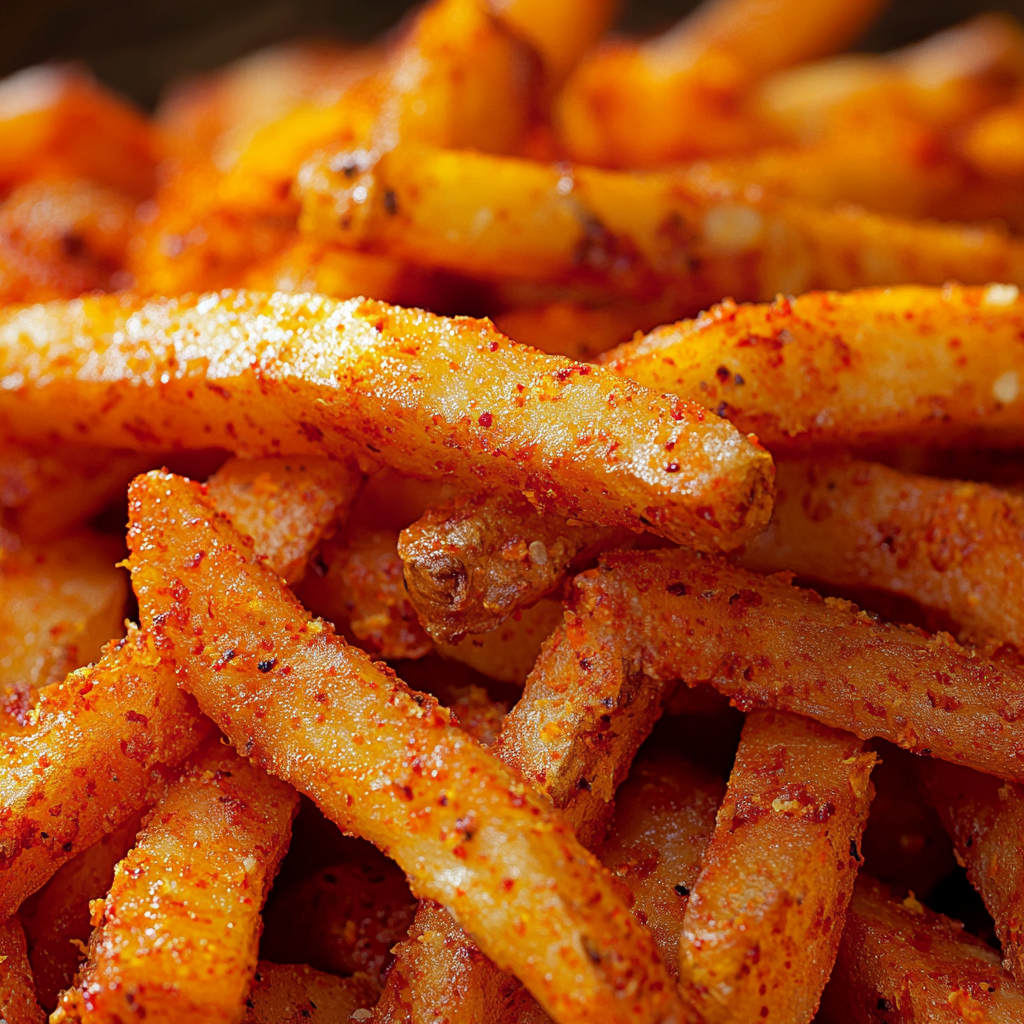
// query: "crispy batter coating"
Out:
[277,375]
[17,990]
[901,364]
[985,819]
[297,994]
[177,936]
[900,961]
[764,921]
[473,560]
[386,763]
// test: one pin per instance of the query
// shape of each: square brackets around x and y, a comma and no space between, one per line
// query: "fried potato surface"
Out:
[17,991]
[177,936]
[764,920]
[951,546]
[901,960]
[901,364]
[321,715]
[276,375]
[985,819]
[297,994]
[995,143]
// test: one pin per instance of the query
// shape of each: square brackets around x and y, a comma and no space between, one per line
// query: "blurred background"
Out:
[138,46]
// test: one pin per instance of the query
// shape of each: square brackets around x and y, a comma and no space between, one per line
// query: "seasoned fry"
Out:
[985,819]
[269,375]
[296,994]
[765,917]
[903,364]
[471,561]
[176,939]
[900,960]
[583,955]
[17,992]
[954,547]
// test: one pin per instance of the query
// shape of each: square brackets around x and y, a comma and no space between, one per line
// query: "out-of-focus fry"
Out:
[985,819]
[270,375]
[951,546]
[297,994]
[471,561]
[63,600]
[899,960]
[17,991]
[177,936]
[57,919]
[995,144]
[901,364]
[285,505]
[357,584]
[765,917]
[583,955]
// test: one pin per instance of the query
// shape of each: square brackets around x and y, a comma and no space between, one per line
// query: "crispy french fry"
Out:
[17,990]
[985,819]
[583,955]
[297,994]
[765,918]
[899,960]
[473,560]
[952,546]
[901,364]
[57,919]
[176,939]
[270,375]
[767,644]
[63,600]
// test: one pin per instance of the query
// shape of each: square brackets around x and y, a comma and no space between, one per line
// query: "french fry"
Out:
[583,955]
[995,143]
[297,994]
[764,921]
[471,561]
[17,991]
[899,959]
[271,375]
[951,546]
[905,364]
[177,936]
[57,919]
[985,818]
[630,234]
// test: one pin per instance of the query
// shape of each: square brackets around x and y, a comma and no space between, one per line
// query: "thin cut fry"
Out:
[902,364]
[765,918]
[275,375]
[296,994]
[17,991]
[176,939]
[370,751]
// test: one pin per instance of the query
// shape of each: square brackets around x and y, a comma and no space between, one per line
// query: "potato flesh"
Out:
[296,994]
[764,921]
[274,375]
[17,990]
[369,750]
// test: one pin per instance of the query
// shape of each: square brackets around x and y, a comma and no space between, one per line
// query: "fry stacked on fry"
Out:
[644,647]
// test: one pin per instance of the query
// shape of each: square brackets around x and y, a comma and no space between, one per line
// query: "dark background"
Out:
[137,46]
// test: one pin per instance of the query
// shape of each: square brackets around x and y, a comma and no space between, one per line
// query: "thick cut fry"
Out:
[767,644]
[985,819]
[630,234]
[176,939]
[904,364]
[471,561]
[899,961]
[297,994]
[280,683]
[954,547]
[285,505]
[57,919]
[63,600]
[765,918]
[275,375]
[17,991]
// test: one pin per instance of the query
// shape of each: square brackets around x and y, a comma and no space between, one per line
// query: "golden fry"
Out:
[764,920]
[995,144]
[17,990]
[905,364]
[278,691]
[272,375]
[296,994]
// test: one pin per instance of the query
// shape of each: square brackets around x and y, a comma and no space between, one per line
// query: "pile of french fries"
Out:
[549,666]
